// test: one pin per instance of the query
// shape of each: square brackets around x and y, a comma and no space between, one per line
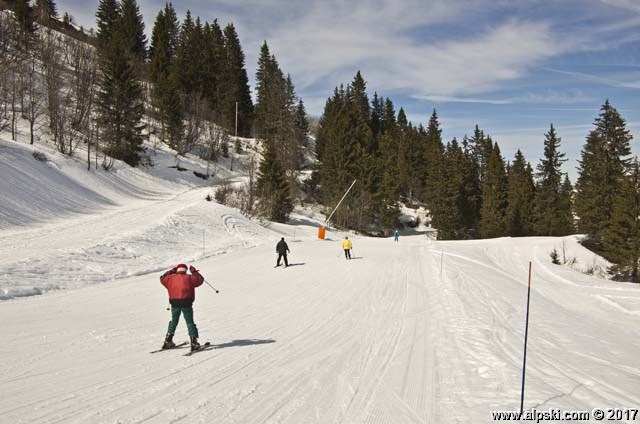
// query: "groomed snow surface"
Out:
[410,332]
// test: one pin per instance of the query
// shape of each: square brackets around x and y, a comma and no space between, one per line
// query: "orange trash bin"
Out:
[321,232]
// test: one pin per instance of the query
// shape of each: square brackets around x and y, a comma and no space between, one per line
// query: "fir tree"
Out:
[433,150]
[236,85]
[165,93]
[377,114]
[45,11]
[622,236]
[107,18]
[275,113]
[548,219]
[337,154]
[565,223]
[520,194]
[494,193]
[120,103]
[214,58]
[130,28]
[471,196]
[386,196]
[23,16]
[601,172]
[446,212]
[273,188]
[301,123]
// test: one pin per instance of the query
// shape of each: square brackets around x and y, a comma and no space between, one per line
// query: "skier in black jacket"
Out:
[281,250]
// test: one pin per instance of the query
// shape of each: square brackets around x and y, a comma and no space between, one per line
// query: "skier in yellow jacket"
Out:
[347,246]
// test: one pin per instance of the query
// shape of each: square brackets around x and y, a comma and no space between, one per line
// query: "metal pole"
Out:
[216,290]
[526,334]
[336,208]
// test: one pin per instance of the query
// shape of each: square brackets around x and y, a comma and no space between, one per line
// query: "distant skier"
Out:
[181,287]
[347,246]
[282,249]
[396,235]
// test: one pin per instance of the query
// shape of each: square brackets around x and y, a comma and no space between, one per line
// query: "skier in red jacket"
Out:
[181,287]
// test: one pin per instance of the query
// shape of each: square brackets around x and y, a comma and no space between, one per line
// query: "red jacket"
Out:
[181,286]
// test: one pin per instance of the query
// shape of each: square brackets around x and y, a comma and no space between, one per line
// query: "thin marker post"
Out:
[526,334]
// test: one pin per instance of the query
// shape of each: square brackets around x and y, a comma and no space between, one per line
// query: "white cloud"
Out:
[453,99]
[547,97]
[633,83]
[630,5]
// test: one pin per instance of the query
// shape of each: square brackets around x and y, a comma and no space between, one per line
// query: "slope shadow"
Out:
[242,342]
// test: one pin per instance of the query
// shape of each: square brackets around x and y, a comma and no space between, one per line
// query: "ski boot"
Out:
[194,343]
[168,342]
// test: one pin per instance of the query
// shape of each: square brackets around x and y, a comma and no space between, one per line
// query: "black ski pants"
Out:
[280,256]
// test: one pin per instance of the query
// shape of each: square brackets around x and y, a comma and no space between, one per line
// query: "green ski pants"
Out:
[188,317]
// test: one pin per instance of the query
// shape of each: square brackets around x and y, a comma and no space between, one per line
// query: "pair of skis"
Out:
[202,347]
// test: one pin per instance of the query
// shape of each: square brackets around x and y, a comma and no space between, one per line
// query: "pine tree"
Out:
[120,102]
[471,196]
[434,150]
[337,154]
[273,188]
[387,209]
[548,219]
[446,212]
[214,59]
[622,235]
[301,123]
[269,94]
[165,93]
[236,86]
[276,113]
[377,114]
[494,193]
[601,172]
[566,223]
[120,105]
[520,194]
[107,18]
[45,11]
[23,15]
[130,28]
[480,147]
[185,62]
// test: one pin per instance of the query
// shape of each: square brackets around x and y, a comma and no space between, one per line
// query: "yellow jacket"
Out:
[346,244]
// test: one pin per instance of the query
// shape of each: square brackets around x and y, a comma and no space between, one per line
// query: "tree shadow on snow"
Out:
[242,342]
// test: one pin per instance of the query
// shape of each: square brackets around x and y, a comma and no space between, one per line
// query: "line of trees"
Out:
[44,79]
[191,75]
[282,126]
[471,191]
[189,87]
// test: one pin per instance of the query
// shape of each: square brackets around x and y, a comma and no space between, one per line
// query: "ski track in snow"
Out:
[386,338]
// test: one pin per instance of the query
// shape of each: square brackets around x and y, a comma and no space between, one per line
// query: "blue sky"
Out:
[511,66]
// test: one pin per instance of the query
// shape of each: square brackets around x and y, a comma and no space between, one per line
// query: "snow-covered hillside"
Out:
[411,332]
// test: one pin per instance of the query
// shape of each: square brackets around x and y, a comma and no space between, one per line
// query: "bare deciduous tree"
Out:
[58,96]
[33,103]
[197,109]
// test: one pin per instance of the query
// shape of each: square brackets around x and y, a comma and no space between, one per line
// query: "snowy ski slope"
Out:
[410,332]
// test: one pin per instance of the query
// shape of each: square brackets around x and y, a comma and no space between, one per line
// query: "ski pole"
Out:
[216,290]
